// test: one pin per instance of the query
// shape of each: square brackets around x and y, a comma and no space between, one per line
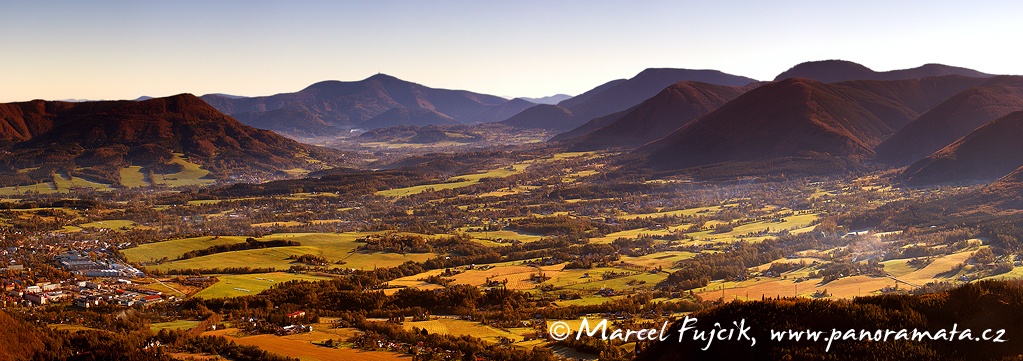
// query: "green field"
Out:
[795,224]
[331,246]
[846,287]
[643,280]
[505,191]
[518,276]
[466,180]
[450,326]
[681,212]
[65,183]
[495,236]
[1015,274]
[41,188]
[635,233]
[112,224]
[173,325]
[459,181]
[296,172]
[402,192]
[588,300]
[574,176]
[72,327]
[250,284]
[61,184]
[133,177]
[664,259]
[278,224]
[175,248]
[302,347]
[192,174]
[569,155]
[898,267]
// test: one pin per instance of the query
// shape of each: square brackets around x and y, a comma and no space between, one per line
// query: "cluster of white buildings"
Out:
[85,266]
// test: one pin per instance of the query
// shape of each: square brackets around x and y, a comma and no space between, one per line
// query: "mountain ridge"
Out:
[830,71]
[328,107]
[673,107]
[953,119]
[792,117]
[618,95]
[986,154]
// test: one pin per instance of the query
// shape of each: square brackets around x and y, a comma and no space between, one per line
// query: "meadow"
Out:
[459,181]
[453,326]
[334,247]
[250,284]
[182,325]
[846,287]
[295,346]
[191,174]
[131,177]
[61,183]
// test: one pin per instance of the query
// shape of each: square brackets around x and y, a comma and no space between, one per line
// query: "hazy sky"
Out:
[123,49]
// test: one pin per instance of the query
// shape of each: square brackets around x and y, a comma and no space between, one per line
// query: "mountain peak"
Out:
[181,98]
[830,71]
[659,75]
[521,101]
[180,103]
[329,107]
[382,77]
[551,99]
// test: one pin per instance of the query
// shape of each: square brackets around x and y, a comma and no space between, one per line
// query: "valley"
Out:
[179,222]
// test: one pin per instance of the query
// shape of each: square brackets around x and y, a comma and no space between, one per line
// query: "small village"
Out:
[90,283]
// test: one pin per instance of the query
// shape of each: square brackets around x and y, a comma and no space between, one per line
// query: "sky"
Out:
[125,49]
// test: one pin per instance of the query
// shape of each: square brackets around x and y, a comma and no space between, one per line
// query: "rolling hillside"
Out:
[656,117]
[543,116]
[988,153]
[794,117]
[619,95]
[100,139]
[953,119]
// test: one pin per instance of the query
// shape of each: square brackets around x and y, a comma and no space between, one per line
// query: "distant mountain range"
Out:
[329,107]
[830,71]
[802,118]
[503,111]
[542,116]
[830,115]
[793,117]
[616,96]
[673,107]
[821,116]
[99,139]
[553,99]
